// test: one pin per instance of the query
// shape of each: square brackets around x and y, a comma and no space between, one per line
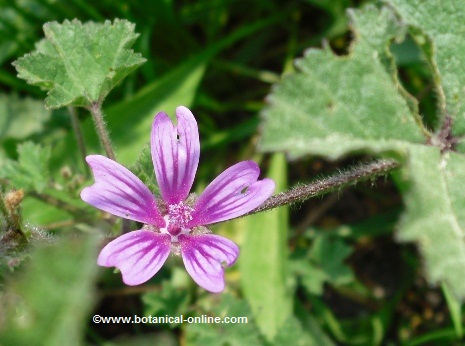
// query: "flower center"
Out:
[177,219]
[179,214]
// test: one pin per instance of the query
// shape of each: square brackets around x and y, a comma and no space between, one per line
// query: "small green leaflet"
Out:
[31,171]
[323,262]
[78,64]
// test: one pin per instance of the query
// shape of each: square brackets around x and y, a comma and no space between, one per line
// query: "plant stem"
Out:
[323,186]
[96,111]
[79,137]
[56,202]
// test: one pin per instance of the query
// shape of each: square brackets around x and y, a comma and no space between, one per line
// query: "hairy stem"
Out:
[323,186]
[79,137]
[96,111]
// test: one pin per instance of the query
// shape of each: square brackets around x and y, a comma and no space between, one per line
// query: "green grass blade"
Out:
[263,260]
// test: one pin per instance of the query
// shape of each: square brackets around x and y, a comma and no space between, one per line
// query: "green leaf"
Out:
[335,105]
[442,24]
[232,334]
[21,118]
[47,304]
[312,277]
[263,260]
[170,301]
[330,253]
[79,64]
[131,120]
[30,172]
[435,216]
[323,262]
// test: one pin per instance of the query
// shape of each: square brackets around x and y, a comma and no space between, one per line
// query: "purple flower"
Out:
[176,221]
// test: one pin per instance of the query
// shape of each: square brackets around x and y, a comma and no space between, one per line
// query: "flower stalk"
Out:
[323,186]
[96,110]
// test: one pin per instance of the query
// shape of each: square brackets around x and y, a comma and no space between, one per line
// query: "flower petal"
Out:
[175,154]
[139,255]
[233,193]
[120,192]
[203,257]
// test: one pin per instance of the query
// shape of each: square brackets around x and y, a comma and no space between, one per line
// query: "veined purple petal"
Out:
[233,193]
[204,256]
[139,255]
[175,154]
[119,192]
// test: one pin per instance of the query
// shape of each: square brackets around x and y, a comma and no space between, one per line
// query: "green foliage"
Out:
[338,105]
[293,333]
[31,171]
[163,94]
[34,312]
[219,58]
[170,301]
[143,168]
[455,308]
[21,118]
[323,262]
[333,105]
[176,87]
[264,260]
[330,253]
[79,64]
[435,217]
[440,24]
[233,334]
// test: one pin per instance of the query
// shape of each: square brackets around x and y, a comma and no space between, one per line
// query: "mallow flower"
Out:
[174,222]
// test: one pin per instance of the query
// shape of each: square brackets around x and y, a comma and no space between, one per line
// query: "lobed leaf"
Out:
[335,105]
[323,262]
[177,87]
[442,24]
[78,64]
[31,171]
